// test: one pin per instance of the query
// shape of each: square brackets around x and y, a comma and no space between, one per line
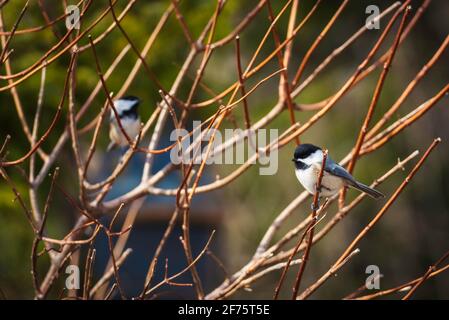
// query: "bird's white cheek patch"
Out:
[314,158]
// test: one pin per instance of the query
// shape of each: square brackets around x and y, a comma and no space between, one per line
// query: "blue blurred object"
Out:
[150,225]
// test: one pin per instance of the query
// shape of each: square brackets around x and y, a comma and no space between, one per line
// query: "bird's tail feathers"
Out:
[369,191]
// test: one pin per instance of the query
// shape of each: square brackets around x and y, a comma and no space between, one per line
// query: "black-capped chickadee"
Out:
[308,160]
[129,118]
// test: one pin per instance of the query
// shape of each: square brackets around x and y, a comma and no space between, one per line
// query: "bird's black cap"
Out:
[130,98]
[304,150]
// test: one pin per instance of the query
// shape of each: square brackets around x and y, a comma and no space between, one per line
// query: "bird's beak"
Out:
[293,160]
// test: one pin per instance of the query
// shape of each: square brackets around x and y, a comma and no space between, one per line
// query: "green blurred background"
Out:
[413,234]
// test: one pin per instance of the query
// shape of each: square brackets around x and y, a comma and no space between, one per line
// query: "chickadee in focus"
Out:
[129,118]
[308,160]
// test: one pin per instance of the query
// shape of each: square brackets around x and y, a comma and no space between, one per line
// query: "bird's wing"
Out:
[337,170]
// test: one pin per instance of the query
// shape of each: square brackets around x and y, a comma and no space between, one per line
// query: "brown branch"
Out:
[404,122]
[103,35]
[306,254]
[90,258]
[50,128]
[373,222]
[19,198]
[387,116]
[176,275]
[183,24]
[109,273]
[317,42]
[404,287]
[37,65]
[284,86]
[13,30]
[431,269]
[241,82]
[313,223]
[373,104]
[39,234]
[335,53]
[349,83]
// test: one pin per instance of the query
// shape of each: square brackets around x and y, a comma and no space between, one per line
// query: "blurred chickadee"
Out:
[129,118]
[308,160]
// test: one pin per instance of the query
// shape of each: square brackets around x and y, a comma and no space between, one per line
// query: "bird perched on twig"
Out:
[127,110]
[308,160]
